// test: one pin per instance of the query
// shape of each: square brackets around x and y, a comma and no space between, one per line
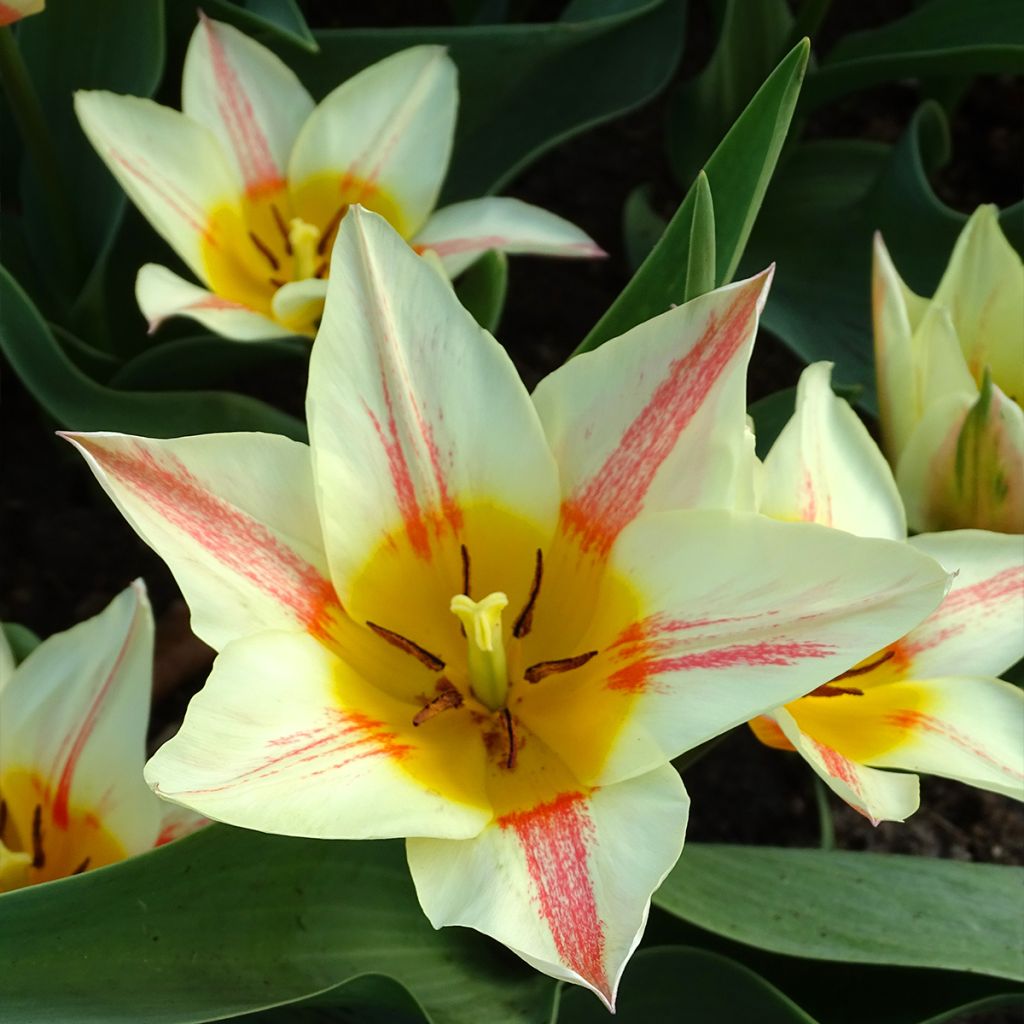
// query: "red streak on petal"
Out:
[838,766]
[256,162]
[912,720]
[239,543]
[597,511]
[555,838]
[61,817]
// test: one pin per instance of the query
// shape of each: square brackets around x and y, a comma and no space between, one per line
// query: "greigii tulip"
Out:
[929,702]
[250,181]
[73,720]
[14,10]
[950,383]
[487,622]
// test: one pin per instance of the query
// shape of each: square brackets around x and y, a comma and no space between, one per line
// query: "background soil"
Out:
[67,551]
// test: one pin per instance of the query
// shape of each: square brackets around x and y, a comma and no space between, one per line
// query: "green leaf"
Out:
[369,999]
[752,38]
[700,266]
[65,51]
[21,640]
[481,289]
[738,172]
[78,403]
[679,983]
[854,907]
[226,922]
[641,226]
[817,223]
[524,88]
[942,37]
[965,1014]
[280,19]
[204,360]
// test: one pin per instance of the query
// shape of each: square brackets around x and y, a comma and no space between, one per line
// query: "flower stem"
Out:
[826,827]
[31,121]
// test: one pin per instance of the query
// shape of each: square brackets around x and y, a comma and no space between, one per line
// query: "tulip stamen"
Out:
[330,229]
[859,670]
[265,250]
[828,690]
[3,816]
[513,746]
[448,699]
[82,867]
[38,854]
[407,646]
[543,669]
[524,623]
[464,551]
[282,227]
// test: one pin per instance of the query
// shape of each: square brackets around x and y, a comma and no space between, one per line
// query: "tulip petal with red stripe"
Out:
[878,795]
[463,232]
[673,437]
[248,98]
[14,10]
[285,738]
[414,410]
[172,168]
[565,884]
[211,507]
[390,127]
[735,615]
[979,628]
[161,293]
[75,714]
[825,468]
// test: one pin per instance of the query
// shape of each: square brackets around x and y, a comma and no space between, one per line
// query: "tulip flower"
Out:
[950,383]
[14,10]
[487,623]
[250,181]
[929,702]
[73,720]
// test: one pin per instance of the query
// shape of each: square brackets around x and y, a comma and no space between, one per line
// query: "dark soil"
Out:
[67,551]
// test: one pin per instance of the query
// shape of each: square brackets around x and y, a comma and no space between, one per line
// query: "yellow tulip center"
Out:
[42,839]
[496,696]
[255,246]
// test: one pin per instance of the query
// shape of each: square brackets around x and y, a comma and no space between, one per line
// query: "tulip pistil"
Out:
[488,667]
[304,239]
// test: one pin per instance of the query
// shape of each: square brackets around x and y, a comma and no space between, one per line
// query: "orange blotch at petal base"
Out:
[867,711]
[423,704]
[43,838]
[276,236]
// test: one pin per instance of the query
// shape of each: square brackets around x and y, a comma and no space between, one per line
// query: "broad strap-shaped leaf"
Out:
[674,435]
[386,130]
[548,880]
[286,738]
[416,414]
[462,232]
[172,168]
[211,507]
[249,98]
[161,293]
[825,468]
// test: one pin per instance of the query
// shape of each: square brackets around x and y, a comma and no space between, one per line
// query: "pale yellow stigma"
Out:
[488,669]
[303,238]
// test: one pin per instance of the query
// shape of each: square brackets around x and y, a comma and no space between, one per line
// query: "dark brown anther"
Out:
[265,250]
[860,670]
[282,227]
[38,855]
[464,551]
[277,282]
[82,867]
[321,270]
[543,669]
[423,656]
[446,700]
[524,623]
[510,733]
[3,816]
[330,228]
[828,690]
